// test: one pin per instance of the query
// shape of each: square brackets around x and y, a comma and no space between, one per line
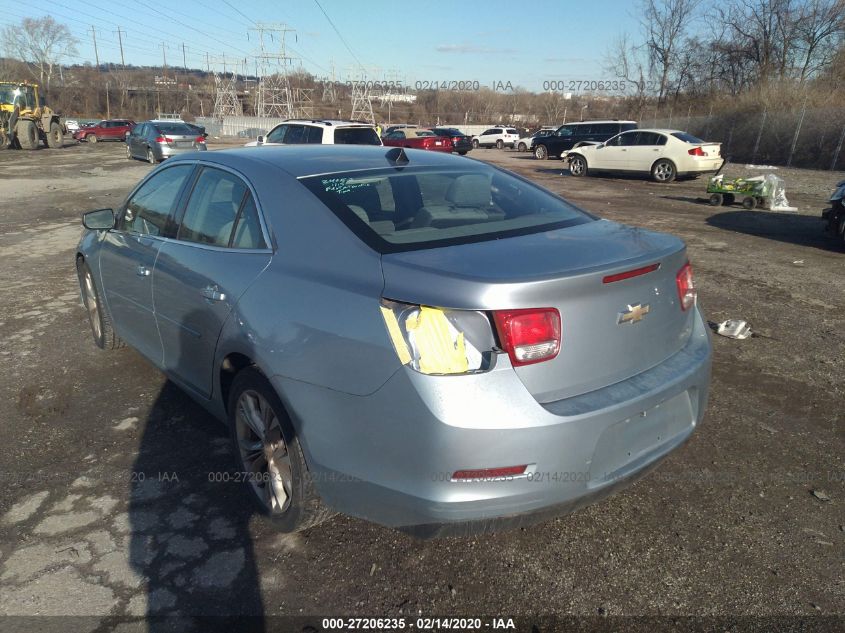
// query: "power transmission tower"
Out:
[275,98]
[226,102]
[362,100]
[330,87]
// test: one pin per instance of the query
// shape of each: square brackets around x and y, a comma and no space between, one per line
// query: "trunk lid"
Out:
[563,269]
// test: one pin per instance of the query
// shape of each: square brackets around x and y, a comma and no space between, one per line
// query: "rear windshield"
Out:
[687,138]
[511,131]
[406,209]
[176,129]
[448,131]
[356,136]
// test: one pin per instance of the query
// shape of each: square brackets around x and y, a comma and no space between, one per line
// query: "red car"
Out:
[110,130]
[418,139]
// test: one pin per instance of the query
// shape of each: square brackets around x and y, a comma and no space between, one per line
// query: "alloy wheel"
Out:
[663,172]
[263,451]
[89,298]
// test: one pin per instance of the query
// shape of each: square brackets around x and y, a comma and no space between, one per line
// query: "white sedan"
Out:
[664,154]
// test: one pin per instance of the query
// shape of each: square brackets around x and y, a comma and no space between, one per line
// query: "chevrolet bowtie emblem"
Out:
[633,314]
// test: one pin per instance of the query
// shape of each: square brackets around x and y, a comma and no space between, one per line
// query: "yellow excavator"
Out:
[25,121]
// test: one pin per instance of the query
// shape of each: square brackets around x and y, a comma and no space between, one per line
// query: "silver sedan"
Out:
[421,340]
[154,141]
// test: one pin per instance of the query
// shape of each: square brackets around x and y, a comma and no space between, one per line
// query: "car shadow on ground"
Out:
[189,522]
[802,230]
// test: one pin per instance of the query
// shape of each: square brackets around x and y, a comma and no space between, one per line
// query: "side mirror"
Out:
[260,139]
[600,145]
[99,220]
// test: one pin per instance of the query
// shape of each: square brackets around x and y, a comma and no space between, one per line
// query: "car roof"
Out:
[330,122]
[661,131]
[310,160]
[597,121]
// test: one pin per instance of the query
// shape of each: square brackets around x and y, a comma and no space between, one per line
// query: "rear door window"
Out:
[314,135]
[295,135]
[649,138]
[604,129]
[148,210]
[212,208]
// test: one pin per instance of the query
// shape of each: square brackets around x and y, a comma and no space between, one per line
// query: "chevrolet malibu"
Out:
[410,337]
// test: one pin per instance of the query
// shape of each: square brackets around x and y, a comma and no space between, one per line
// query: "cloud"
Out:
[463,49]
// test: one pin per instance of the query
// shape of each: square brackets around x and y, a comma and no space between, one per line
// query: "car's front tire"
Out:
[577,165]
[98,314]
[475,143]
[541,153]
[269,456]
[91,138]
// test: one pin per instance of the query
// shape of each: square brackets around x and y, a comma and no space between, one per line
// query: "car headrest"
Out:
[470,190]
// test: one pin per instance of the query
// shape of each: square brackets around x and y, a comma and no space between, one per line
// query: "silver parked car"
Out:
[156,140]
[414,338]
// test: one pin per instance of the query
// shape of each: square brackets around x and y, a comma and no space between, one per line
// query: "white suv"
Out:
[319,132]
[498,136]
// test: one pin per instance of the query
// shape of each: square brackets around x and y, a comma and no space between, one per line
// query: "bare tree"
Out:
[664,23]
[625,61]
[820,30]
[42,42]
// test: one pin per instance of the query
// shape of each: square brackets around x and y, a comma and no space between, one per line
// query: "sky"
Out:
[526,43]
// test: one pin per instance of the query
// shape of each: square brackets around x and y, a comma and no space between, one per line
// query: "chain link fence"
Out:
[803,137]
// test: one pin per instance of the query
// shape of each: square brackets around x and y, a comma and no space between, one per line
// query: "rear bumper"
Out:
[167,152]
[389,457]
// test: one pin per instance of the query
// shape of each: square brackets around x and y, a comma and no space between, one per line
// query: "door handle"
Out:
[213,293]
[142,271]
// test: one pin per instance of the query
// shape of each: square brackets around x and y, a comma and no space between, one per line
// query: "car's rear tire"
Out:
[463,153]
[716,200]
[577,165]
[55,138]
[541,152]
[129,152]
[522,147]
[500,144]
[475,143]
[663,171]
[98,314]
[749,202]
[91,138]
[269,456]
[27,134]
[151,159]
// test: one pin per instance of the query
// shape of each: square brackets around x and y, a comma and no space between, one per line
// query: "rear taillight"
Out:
[696,151]
[438,340]
[529,336]
[200,139]
[686,287]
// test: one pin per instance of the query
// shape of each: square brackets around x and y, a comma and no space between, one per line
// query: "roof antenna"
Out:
[398,155]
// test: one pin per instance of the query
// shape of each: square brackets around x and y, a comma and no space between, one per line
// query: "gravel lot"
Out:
[107,508]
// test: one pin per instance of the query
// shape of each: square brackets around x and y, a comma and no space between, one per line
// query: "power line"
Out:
[355,57]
